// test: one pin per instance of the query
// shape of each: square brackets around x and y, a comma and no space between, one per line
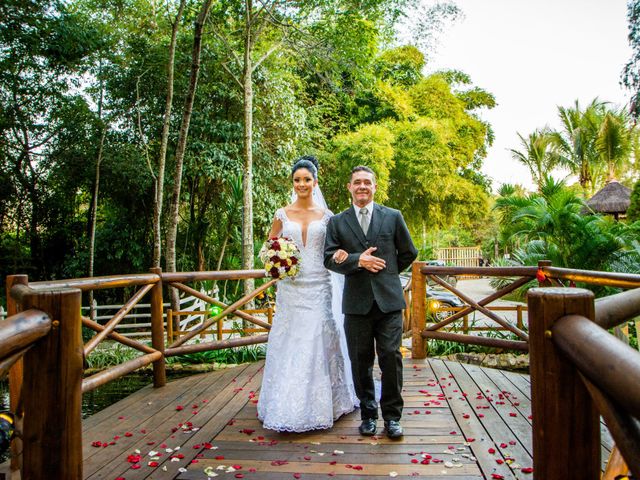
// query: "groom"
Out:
[379,247]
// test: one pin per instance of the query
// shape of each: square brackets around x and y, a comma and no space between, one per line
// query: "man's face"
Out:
[362,188]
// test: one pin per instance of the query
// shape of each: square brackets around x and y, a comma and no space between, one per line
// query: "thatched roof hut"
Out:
[613,199]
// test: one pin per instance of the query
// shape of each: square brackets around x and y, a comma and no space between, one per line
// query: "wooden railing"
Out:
[52,370]
[50,444]
[579,370]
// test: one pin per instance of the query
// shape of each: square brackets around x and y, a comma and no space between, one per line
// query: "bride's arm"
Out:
[276,228]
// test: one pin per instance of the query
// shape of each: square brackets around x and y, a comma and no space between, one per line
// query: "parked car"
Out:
[441,298]
[437,297]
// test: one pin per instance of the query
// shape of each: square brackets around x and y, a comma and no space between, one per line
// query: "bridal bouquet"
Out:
[281,257]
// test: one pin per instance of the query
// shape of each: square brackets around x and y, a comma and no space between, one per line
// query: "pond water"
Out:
[97,399]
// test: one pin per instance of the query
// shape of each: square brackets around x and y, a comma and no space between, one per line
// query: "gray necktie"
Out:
[364,220]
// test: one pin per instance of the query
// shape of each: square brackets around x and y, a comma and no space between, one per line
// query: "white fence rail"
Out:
[140,316]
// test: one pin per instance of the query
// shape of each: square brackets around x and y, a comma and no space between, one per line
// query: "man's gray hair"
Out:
[363,168]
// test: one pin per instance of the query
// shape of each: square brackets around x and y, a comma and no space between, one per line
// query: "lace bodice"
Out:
[312,252]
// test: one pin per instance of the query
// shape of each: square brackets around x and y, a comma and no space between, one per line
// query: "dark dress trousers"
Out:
[372,302]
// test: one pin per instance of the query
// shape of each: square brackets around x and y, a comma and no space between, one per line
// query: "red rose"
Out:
[294,260]
[274,272]
[275,245]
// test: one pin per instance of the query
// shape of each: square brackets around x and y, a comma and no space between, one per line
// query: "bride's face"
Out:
[303,183]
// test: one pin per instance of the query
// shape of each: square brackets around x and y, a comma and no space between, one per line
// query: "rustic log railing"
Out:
[53,356]
[579,370]
[44,357]
[52,371]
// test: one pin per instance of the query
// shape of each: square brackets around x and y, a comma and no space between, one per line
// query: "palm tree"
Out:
[614,141]
[576,141]
[539,154]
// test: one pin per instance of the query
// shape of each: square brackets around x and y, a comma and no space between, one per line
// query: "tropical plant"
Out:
[614,141]
[539,154]
[633,212]
[244,354]
[109,354]
[555,225]
[576,141]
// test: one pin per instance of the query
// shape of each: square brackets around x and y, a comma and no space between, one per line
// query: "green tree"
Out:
[576,141]
[538,154]
[614,141]
[550,225]
[631,72]
[633,213]
[422,140]
[45,48]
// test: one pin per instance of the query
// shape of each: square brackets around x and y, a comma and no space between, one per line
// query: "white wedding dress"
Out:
[307,381]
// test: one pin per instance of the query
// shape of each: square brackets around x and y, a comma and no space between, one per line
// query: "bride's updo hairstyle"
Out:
[309,162]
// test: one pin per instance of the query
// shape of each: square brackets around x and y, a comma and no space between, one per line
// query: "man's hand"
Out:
[371,263]
[340,256]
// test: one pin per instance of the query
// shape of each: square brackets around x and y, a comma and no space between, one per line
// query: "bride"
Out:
[306,383]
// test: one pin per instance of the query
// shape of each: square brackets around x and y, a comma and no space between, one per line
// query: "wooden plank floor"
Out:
[460,421]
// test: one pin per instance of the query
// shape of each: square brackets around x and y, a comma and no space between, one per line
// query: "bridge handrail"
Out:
[32,304]
[18,333]
[579,371]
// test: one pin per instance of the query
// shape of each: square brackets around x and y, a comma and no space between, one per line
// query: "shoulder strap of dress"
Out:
[327,215]
[281,215]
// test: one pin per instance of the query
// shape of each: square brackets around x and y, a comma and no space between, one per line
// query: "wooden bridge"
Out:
[461,421]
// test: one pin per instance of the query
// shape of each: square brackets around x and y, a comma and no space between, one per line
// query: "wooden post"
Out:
[52,390]
[170,333]
[519,317]
[465,324]
[418,313]
[15,376]
[566,427]
[157,331]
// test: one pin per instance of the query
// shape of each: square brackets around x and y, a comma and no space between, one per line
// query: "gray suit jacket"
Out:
[389,233]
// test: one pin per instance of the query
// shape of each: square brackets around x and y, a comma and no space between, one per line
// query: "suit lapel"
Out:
[376,222]
[353,223]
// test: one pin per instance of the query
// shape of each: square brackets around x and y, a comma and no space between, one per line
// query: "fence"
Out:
[139,317]
[579,370]
[460,256]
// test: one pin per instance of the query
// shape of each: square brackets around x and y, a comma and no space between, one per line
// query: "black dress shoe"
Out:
[393,429]
[368,427]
